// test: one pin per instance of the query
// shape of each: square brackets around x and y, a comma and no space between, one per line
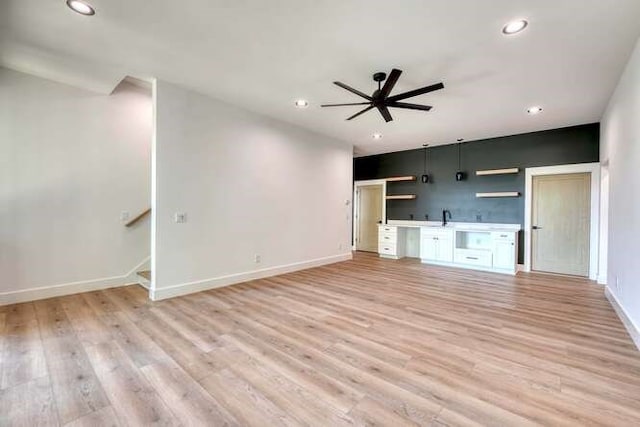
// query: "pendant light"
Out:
[460,175]
[425,175]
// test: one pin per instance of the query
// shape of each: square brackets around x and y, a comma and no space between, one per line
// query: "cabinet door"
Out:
[428,247]
[445,249]
[504,254]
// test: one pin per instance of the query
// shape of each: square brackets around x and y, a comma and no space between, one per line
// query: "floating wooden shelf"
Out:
[402,197]
[401,178]
[499,194]
[498,171]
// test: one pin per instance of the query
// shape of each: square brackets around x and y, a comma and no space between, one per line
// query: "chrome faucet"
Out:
[445,212]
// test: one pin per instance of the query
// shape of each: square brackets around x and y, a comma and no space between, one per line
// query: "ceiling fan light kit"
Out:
[381,98]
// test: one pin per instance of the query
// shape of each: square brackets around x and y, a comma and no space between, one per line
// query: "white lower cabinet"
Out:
[428,247]
[504,250]
[391,242]
[436,245]
[476,246]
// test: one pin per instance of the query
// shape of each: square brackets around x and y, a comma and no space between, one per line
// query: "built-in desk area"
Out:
[480,246]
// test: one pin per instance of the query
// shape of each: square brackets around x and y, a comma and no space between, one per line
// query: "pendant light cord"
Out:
[425,160]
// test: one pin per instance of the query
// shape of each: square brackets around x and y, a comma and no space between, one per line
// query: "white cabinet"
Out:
[428,248]
[504,250]
[445,249]
[391,241]
[436,245]
[487,247]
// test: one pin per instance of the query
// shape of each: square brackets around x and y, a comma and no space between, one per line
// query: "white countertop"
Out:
[469,226]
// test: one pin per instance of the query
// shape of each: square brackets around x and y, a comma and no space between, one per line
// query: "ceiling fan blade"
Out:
[360,112]
[416,92]
[344,105]
[390,83]
[385,113]
[352,90]
[409,106]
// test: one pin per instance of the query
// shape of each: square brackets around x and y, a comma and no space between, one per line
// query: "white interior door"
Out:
[369,215]
[560,218]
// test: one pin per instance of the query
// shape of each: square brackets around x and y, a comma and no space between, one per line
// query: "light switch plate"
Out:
[124,216]
[180,217]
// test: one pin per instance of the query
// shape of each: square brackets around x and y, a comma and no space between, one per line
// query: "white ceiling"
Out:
[263,55]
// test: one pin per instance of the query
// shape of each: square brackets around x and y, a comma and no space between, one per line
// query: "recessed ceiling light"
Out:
[81,7]
[302,103]
[514,27]
[377,136]
[534,110]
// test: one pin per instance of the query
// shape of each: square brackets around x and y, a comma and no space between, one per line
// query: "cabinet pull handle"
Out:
[472,257]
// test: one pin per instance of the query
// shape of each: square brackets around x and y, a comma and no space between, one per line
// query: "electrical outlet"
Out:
[124,216]
[478,218]
[257,259]
[180,217]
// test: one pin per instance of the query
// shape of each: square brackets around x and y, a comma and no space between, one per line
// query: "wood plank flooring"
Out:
[364,342]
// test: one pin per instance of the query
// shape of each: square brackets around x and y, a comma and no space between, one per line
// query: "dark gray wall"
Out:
[578,144]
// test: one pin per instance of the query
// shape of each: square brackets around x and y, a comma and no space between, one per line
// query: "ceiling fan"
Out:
[380,98]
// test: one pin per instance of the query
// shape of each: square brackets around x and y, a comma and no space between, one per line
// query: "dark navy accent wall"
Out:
[577,144]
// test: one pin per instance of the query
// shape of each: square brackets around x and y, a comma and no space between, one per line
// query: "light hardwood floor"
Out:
[364,342]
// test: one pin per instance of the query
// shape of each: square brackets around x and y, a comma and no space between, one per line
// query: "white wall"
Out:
[250,186]
[70,162]
[620,149]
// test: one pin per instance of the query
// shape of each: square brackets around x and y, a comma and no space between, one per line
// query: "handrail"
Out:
[138,218]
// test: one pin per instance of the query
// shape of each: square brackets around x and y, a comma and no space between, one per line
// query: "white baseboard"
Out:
[144,283]
[44,292]
[628,323]
[232,279]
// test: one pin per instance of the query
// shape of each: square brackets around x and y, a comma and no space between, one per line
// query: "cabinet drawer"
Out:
[431,233]
[473,257]
[508,236]
[387,238]
[387,249]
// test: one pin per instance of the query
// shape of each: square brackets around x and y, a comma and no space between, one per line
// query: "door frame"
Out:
[594,247]
[356,186]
